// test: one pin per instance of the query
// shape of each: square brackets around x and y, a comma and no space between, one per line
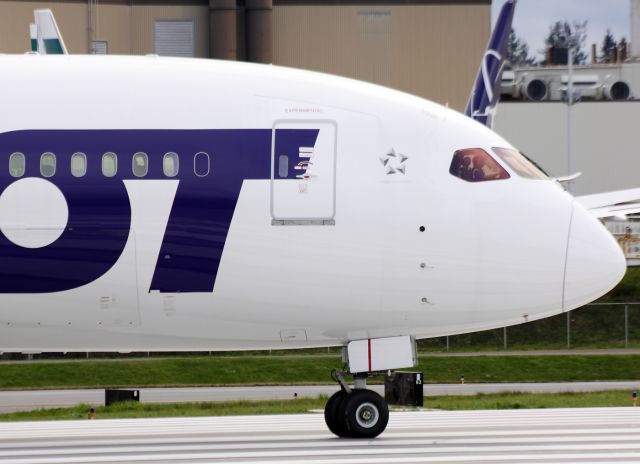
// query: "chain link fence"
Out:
[596,325]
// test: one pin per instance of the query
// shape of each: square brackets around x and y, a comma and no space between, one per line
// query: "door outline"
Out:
[302,221]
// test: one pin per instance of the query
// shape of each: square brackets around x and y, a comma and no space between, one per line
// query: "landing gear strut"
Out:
[356,412]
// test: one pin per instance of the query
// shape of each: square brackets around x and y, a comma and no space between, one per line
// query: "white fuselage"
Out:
[315,261]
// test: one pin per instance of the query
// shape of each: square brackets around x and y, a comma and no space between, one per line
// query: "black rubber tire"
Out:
[366,413]
[334,414]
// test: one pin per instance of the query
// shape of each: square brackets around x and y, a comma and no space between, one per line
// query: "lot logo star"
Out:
[394,162]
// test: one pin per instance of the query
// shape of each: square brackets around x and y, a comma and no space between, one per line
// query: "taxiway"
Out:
[594,435]
[25,400]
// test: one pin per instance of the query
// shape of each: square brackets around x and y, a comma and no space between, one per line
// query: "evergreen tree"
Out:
[561,33]
[608,49]
[623,47]
[518,51]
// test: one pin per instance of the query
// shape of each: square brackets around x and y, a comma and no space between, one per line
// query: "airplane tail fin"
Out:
[47,40]
[33,33]
[486,88]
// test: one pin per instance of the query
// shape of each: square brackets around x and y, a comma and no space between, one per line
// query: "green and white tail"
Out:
[45,35]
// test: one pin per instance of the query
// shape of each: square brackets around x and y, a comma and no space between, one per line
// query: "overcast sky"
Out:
[533,18]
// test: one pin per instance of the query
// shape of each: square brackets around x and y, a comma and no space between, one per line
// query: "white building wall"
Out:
[635,28]
[606,140]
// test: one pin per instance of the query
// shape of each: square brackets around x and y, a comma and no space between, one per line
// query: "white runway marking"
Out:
[593,435]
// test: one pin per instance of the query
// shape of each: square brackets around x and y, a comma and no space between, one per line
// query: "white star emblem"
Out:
[394,162]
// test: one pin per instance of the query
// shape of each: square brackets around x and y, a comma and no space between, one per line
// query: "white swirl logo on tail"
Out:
[488,83]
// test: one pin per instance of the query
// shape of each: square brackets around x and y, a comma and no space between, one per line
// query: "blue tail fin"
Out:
[486,88]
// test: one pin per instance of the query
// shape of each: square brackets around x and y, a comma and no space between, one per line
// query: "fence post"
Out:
[447,343]
[626,326]
[505,337]
[568,329]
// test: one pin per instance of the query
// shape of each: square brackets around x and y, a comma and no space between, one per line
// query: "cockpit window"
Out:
[519,163]
[536,165]
[476,165]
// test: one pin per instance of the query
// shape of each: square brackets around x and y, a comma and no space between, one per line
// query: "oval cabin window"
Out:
[109,164]
[201,164]
[170,164]
[78,164]
[17,164]
[140,164]
[48,164]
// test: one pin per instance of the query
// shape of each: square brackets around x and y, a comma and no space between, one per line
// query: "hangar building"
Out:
[430,48]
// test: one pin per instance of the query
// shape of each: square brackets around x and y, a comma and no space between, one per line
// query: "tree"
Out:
[518,51]
[623,48]
[608,49]
[560,34]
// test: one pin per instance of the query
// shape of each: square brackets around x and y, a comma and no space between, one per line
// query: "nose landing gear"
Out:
[356,412]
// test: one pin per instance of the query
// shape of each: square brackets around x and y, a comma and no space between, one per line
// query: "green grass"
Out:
[303,405]
[134,410]
[288,370]
[530,401]
[241,370]
[531,368]
[628,289]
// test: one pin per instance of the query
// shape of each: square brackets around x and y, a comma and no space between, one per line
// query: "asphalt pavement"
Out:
[24,400]
[540,436]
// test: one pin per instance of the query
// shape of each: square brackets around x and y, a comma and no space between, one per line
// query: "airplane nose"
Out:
[594,263]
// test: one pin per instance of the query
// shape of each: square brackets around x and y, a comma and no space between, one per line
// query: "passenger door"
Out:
[303,172]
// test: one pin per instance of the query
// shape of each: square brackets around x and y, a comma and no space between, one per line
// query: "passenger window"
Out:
[201,164]
[283,166]
[476,165]
[170,164]
[78,164]
[140,164]
[109,164]
[48,164]
[17,164]
[520,164]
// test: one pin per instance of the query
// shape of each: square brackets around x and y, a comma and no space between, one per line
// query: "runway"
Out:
[35,399]
[597,435]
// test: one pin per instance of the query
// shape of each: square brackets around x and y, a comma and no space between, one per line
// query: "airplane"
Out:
[617,204]
[46,38]
[164,213]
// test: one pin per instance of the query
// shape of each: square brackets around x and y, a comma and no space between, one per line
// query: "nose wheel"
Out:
[357,414]
[333,414]
[354,411]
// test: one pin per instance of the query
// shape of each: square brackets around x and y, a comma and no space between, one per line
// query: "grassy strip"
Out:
[531,368]
[276,370]
[241,370]
[530,400]
[126,410]
[303,405]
